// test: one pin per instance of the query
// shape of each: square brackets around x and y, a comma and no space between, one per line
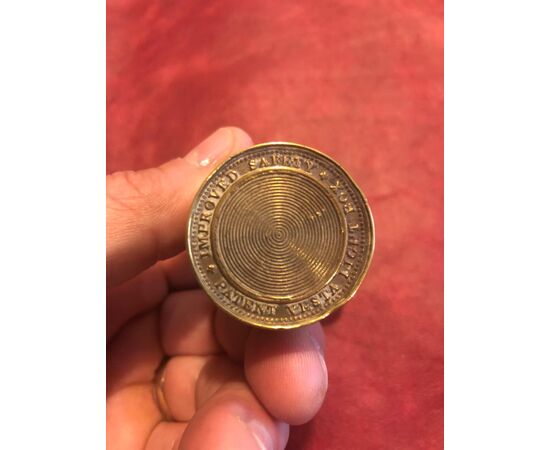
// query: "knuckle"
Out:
[133,191]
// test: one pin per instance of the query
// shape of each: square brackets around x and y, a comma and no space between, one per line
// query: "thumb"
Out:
[147,210]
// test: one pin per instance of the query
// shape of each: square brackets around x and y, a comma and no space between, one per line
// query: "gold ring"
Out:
[158,390]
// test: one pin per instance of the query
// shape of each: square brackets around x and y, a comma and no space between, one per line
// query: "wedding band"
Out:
[158,391]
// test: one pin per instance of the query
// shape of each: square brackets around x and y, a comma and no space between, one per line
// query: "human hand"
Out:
[182,374]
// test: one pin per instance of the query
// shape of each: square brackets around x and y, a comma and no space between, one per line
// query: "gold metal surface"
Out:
[158,390]
[280,236]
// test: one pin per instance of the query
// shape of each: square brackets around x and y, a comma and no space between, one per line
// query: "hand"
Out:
[182,374]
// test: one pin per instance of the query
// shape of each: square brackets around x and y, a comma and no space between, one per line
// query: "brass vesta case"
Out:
[280,236]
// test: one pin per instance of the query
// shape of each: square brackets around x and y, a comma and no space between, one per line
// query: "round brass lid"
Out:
[280,236]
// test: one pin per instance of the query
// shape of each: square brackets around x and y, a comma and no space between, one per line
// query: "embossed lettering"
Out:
[246,303]
[309,164]
[223,185]
[203,241]
[351,252]
[315,301]
[232,175]
[221,285]
[341,194]
[282,160]
[348,208]
[203,230]
[204,247]
[335,185]
[294,309]
[325,297]
[214,194]
[342,197]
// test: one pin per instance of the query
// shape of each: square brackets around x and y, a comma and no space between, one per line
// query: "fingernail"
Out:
[316,343]
[320,354]
[261,435]
[210,150]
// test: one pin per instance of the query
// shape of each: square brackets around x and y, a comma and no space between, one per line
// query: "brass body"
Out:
[280,236]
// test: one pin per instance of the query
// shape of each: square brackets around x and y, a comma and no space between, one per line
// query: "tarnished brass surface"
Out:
[280,236]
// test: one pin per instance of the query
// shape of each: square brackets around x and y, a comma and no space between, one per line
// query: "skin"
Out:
[226,385]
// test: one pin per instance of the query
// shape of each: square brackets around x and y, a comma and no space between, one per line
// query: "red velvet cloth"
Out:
[361,81]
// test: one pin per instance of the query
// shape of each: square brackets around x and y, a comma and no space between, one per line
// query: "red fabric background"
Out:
[361,81]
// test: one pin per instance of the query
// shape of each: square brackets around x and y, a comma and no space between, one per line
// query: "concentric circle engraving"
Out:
[279,236]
